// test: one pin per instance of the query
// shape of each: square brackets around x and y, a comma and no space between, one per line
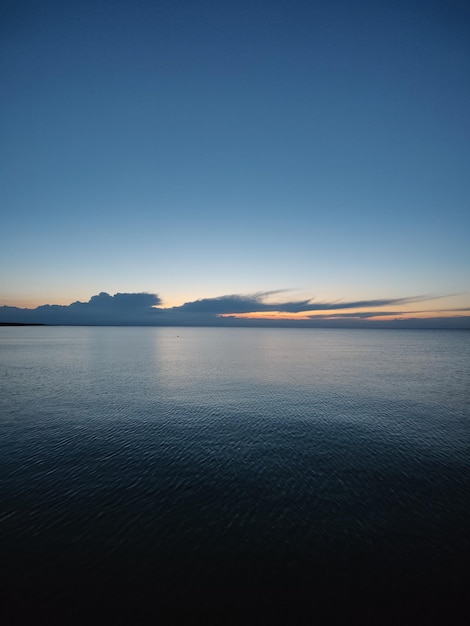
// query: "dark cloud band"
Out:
[146,309]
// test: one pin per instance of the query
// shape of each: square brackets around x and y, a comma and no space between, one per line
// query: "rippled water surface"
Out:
[234,468]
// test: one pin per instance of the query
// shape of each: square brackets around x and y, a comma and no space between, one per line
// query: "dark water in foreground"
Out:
[289,472]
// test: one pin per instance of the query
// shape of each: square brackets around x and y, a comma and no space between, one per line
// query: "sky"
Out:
[294,156]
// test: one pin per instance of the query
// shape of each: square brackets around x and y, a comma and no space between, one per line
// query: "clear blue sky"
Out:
[195,149]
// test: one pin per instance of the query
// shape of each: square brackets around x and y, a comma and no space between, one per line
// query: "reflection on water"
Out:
[234,468]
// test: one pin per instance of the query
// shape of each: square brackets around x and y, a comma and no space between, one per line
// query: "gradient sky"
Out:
[195,149]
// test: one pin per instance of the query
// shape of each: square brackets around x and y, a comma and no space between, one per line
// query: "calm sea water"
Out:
[276,469]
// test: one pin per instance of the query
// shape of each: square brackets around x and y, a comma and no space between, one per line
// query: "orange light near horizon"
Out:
[283,315]
[267,315]
[30,303]
[344,314]
[420,315]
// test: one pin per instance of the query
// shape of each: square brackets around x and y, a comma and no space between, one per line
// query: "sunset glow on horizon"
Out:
[346,314]
[203,151]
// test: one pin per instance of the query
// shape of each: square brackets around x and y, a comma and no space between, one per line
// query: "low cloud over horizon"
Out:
[122,308]
[144,309]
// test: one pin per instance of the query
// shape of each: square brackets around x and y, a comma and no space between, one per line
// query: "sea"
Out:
[265,475]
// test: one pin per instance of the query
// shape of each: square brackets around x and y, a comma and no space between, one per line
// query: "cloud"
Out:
[118,302]
[144,309]
[239,304]
[255,303]
[356,315]
[122,308]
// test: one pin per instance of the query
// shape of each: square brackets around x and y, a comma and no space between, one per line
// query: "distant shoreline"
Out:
[20,324]
[235,326]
